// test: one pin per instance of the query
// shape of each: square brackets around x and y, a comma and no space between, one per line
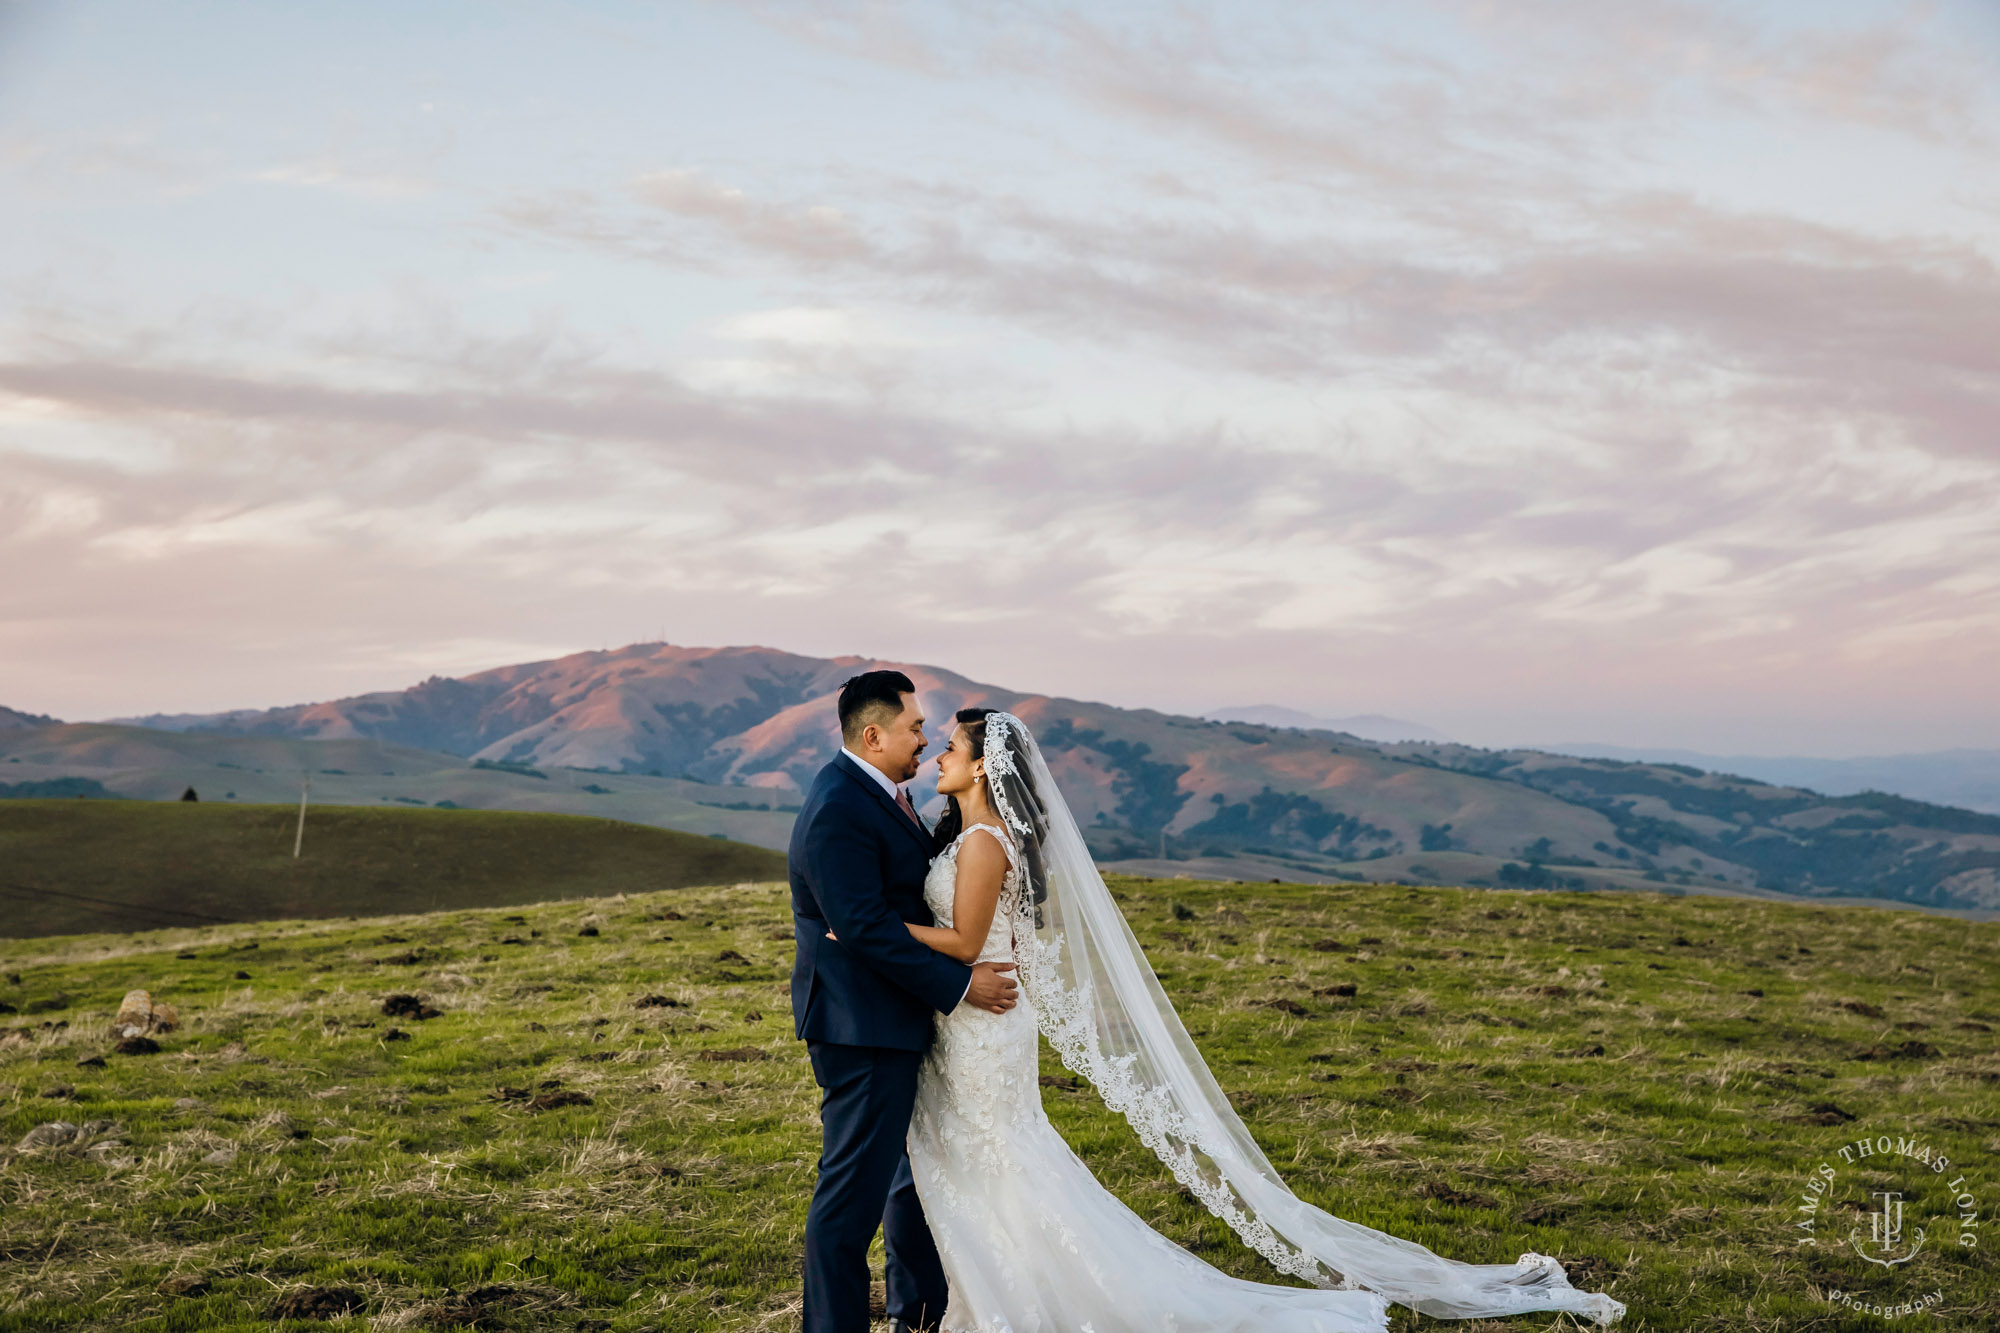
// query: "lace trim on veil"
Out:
[1064,1016]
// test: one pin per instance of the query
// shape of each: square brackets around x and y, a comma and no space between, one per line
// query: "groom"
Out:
[862,1003]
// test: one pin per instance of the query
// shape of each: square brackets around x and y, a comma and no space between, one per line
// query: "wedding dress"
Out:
[1030,1240]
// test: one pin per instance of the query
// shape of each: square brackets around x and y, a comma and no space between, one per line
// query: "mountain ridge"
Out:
[1157,788]
[1366,726]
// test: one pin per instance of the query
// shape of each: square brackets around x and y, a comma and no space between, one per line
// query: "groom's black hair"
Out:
[862,694]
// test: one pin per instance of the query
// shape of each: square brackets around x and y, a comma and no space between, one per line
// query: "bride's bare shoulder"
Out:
[978,854]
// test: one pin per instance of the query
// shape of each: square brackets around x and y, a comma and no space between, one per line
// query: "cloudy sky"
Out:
[1550,370]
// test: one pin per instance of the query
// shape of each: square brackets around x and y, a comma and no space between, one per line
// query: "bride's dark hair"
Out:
[1022,797]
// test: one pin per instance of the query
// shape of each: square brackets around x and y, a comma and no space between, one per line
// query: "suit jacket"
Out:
[857,867]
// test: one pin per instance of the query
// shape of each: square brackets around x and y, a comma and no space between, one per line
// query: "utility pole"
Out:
[299,842]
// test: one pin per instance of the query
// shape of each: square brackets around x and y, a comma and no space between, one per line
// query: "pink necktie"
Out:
[903,804]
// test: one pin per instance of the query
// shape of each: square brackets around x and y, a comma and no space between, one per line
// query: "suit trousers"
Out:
[867,1094]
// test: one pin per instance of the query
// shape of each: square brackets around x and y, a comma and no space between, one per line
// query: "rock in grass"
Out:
[1909,1050]
[549,1101]
[739,1053]
[409,1006]
[220,1157]
[656,1002]
[588,931]
[111,1154]
[137,1046]
[317,1303]
[395,1034]
[54,1134]
[91,1062]
[182,1284]
[1285,1006]
[1341,989]
[140,1014]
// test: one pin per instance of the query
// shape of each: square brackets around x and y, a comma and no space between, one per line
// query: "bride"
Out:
[1028,1237]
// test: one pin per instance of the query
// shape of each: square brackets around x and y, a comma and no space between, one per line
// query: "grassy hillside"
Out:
[1634,1083]
[159,765]
[75,865]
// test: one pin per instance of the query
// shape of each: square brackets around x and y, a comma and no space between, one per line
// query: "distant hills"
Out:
[95,758]
[14,720]
[709,728]
[1966,778]
[1368,726]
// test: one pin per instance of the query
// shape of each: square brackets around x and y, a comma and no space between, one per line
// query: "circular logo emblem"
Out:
[1878,1211]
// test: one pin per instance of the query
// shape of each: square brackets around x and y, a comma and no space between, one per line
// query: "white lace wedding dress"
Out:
[1031,1242]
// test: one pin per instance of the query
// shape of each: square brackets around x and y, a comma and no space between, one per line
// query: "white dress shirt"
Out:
[881,778]
[894,792]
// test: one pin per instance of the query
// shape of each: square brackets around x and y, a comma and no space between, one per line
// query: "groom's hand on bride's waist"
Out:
[992,989]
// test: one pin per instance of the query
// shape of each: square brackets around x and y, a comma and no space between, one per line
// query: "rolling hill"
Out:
[102,759]
[1157,792]
[616,1131]
[68,866]
[1967,778]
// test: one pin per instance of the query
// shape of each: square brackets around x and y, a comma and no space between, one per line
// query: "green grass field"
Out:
[1637,1084]
[69,866]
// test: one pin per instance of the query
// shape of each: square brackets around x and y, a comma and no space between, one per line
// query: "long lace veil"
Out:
[1102,1009]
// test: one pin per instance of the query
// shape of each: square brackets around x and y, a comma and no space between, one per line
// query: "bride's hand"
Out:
[835,938]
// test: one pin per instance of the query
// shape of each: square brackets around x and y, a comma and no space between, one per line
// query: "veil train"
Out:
[1105,1013]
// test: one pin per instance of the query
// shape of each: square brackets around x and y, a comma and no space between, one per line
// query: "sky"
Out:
[1542,371]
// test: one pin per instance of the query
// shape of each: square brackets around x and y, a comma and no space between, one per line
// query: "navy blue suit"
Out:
[863,1004]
